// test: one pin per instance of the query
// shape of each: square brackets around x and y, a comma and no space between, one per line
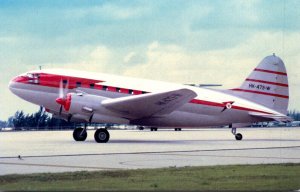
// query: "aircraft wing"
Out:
[275,117]
[150,104]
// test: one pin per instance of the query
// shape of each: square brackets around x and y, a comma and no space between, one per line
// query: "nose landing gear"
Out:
[238,136]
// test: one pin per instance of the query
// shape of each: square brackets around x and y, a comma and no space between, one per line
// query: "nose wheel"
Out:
[238,136]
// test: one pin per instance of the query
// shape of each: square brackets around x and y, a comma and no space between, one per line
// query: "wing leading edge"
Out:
[150,104]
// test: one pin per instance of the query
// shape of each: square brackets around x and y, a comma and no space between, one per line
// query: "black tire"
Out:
[141,128]
[101,136]
[79,134]
[238,136]
[177,129]
[153,129]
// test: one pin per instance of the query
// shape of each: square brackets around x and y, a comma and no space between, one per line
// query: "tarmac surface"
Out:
[56,151]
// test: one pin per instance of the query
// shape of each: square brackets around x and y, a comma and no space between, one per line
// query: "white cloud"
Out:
[129,57]
[97,59]
[229,66]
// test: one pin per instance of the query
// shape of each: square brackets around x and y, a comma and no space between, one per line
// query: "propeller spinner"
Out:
[64,99]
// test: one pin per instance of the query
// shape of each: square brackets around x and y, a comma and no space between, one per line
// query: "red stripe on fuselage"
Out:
[269,71]
[268,82]
[202,102]
[262,93]
[50,80]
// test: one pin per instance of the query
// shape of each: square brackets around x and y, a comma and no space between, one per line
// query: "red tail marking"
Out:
[269,71]
[262,93]
[268,82]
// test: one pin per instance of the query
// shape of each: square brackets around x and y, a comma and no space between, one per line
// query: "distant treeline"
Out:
[38,120]
[42,120]
[294,114]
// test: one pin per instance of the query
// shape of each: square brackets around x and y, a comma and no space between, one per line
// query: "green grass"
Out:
[280,177]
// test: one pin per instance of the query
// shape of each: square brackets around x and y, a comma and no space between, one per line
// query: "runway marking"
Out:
[60,166]
[238,156]
[149,152]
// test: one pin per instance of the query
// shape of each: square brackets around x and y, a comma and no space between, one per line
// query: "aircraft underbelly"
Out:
[186,119]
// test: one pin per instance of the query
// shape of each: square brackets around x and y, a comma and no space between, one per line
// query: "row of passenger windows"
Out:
[104,88]
[78,84]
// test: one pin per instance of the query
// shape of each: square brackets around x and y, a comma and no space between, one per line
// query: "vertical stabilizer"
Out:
[267,85]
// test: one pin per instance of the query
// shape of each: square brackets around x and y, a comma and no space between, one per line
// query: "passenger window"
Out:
[118,89]
[92,86]
[104,88]
[65,82]
[78,84]
[130,91]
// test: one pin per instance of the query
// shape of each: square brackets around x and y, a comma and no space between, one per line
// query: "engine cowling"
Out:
[83,103]
[88,108]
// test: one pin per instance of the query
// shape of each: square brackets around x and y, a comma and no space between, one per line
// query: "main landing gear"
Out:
[238,136]
[80,134]
[153,128]
[101,135]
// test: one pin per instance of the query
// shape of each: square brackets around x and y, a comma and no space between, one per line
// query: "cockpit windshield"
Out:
[33,77]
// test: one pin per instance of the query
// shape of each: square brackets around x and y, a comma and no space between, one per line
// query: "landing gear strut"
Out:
[80,134]
[238,136]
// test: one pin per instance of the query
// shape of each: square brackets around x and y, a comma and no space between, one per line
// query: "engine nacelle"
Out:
[88,108]
[83,103]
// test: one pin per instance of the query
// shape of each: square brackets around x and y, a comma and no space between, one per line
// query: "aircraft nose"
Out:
[12,84]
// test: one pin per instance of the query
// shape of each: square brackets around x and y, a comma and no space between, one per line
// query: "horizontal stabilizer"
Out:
[275,117]
[204,85]
[150,104]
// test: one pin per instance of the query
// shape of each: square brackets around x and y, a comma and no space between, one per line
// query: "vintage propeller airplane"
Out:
[94,97]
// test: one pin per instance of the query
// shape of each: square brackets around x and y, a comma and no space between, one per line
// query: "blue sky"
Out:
[177,41]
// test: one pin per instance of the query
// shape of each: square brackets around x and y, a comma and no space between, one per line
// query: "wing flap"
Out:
[150,104]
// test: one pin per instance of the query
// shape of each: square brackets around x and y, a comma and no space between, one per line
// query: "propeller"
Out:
[63,99]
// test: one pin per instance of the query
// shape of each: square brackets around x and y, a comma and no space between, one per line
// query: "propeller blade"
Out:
[61,89]
[60,110]
[65,90]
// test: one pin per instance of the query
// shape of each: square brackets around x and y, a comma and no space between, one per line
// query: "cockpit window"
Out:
[33,78]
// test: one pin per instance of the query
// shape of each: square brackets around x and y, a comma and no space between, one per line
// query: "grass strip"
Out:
[267,177]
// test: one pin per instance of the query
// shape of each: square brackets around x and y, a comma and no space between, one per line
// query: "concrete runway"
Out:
[55,151]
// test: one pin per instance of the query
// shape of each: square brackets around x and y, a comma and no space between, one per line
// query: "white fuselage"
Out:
[207,109]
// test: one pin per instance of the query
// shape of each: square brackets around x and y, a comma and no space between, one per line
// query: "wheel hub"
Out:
[102,136]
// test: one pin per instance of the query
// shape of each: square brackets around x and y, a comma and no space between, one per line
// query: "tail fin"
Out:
[267,85]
